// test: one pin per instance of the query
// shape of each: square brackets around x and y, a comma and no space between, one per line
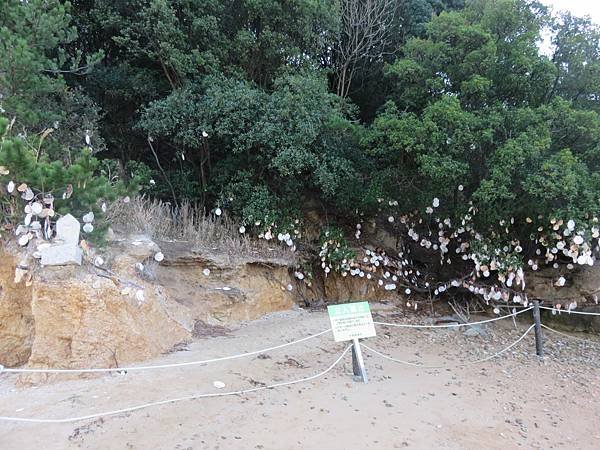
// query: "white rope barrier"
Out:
[569,311]
[164,366]
[469,363]
[568,335]
[179,399]
[452,325]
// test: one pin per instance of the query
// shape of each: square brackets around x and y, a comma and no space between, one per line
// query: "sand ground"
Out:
[514,401]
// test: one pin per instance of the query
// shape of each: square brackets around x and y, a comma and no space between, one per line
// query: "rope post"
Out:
[358,365]
[539,343]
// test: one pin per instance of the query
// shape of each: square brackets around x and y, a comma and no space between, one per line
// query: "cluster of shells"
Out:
[270,231]
[38,220]
[561,245]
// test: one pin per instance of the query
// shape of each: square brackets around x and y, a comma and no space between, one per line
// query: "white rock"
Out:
[218,384]
[61,255]
[67,230]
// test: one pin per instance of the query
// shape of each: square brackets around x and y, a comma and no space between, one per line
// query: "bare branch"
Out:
[365,28]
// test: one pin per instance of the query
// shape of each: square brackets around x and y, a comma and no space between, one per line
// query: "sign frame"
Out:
[351,321]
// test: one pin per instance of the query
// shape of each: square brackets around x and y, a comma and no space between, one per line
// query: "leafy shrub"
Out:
[335,253]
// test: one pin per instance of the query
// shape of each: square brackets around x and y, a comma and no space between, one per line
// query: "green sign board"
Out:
[351,321]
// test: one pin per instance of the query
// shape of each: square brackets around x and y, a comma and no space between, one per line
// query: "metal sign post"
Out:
[539,342]
[351,322]
[358,365]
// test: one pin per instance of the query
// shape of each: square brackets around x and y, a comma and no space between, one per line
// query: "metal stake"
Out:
[358,365]
[539,343]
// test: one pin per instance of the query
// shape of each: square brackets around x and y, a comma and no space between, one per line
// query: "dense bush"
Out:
[454,121]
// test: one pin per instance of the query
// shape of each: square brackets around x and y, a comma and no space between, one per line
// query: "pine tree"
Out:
[28,179]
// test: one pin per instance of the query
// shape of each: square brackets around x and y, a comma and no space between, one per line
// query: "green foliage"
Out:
[476,106]
[268,148]
[74,189]
[36,51]
[229,104]
[335,253]
[576,59]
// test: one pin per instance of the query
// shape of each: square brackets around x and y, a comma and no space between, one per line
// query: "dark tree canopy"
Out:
[234,103]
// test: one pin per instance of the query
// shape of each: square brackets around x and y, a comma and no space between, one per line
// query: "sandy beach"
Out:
[514,401]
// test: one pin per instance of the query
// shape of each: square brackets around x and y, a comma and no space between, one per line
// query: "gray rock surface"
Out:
[475,330]
[66,250]
[68,229]
[61,255]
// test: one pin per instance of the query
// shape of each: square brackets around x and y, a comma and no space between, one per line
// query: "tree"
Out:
[37,191]
[475,105]
[295,141]
[365,27]
[36,52]
[576,56]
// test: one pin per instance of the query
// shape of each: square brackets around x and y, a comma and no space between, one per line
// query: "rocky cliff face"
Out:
[131,308]
[219,289]
[581,287]
[16,318]
[75,317]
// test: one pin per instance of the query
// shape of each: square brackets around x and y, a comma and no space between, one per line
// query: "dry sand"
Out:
[515,401]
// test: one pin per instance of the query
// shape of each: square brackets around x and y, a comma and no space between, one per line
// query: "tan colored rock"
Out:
[117,314]
[348,288]
[236,289]
[72,318]
[582,286]
[16,319]
[83,322]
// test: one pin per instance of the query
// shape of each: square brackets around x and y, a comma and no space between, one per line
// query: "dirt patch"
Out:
[204,330]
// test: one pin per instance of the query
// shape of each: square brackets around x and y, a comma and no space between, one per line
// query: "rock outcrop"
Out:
[132,307]
[219,289]
[581,286]
[16,318]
